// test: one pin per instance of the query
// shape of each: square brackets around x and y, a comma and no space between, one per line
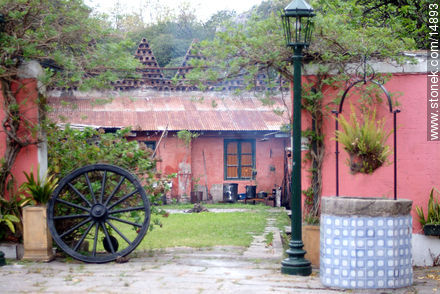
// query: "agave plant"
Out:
[433,216]
[364,140]
[39,189]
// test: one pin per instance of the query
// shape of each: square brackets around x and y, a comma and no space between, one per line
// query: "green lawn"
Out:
[259,206]
[206,229]
[209,229]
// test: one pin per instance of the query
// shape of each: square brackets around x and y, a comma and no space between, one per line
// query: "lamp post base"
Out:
[296,264]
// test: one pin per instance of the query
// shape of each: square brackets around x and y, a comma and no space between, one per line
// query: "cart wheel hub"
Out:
[98,211]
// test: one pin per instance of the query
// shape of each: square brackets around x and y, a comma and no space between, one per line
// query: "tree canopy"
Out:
[75,48]
[172,33]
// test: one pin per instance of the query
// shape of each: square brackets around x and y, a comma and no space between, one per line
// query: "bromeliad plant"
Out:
[39,189]
[433,213]
[364,140]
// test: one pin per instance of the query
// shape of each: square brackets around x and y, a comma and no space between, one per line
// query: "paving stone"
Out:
[223,269]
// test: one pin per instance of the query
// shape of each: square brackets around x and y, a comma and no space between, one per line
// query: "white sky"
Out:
[203,8]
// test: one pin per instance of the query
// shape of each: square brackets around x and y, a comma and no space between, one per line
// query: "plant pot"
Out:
[311,236]
[366,243]
[37,240]
[363,164]
[431,230]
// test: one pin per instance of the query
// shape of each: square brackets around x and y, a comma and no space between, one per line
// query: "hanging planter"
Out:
[365,141]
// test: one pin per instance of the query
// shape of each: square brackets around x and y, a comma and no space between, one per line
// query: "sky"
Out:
[203,8]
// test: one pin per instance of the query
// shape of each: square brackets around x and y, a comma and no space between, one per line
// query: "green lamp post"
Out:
[298,26]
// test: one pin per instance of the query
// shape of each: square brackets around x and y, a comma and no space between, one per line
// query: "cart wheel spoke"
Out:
[114,191]
[126,210]
[119,232]
[79,194]
[107,236]
[90,187]
[82,238]
[70,216]
[125,221]
[122,199]
[95,239]
[104,180]
[73,204]
[71,230]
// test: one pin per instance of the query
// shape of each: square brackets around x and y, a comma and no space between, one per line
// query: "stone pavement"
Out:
[185,270]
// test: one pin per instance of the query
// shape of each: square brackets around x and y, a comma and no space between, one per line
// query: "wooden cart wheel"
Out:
[98,213]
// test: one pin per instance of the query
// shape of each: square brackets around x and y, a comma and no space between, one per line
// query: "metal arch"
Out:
[384,90]
[365,80]
[90,204]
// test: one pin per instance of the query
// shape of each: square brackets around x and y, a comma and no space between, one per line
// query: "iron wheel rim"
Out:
[98,214]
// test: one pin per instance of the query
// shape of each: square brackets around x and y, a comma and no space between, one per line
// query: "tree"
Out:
[408,16]
[76,50]
[343,34]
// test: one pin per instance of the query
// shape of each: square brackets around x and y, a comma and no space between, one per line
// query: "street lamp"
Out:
[298,28]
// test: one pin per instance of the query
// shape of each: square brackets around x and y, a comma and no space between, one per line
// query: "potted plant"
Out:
[311,228]
[37,239]
[431,223]
[365,141]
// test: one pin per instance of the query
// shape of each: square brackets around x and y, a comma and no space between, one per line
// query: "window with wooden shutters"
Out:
[239,159]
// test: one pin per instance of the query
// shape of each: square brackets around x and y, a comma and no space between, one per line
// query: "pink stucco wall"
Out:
[418,161]
[26,94]
[269,162]
[175,157]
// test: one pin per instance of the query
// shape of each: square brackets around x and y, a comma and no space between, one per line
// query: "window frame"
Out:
[239,155]
[149,142]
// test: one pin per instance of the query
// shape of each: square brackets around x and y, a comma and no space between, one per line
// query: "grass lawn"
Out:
[209,229]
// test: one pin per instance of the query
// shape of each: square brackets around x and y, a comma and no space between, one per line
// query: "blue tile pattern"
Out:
[366,252]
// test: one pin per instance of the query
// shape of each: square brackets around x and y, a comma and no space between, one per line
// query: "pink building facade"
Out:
[220,118]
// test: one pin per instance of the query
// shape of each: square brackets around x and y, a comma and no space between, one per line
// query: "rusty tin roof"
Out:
[153,110]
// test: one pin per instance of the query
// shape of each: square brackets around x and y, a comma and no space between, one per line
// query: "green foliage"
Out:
[365,141]
[9,220]
[39,189]
[76,48]
[69,149]
[433,216]
[170,37]
[409,17]
[187,136]
[10,214]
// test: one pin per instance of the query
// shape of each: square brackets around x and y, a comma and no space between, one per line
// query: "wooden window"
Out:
[150,144]
[239,159]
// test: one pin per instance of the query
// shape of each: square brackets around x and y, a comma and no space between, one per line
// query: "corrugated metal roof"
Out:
[149,111]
